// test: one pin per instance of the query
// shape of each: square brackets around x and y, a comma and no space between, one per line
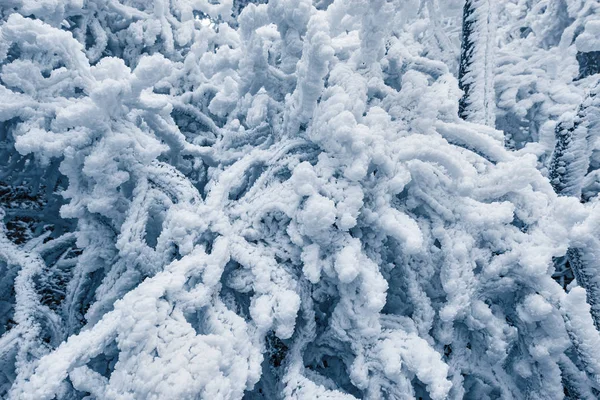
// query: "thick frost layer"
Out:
[295,199]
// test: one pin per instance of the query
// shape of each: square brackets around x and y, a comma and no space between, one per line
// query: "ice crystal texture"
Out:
[296,199]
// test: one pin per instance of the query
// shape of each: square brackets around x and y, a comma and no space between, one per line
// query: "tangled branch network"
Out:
[296,199]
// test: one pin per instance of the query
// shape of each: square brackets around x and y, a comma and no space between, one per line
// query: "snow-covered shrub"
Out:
[226,200]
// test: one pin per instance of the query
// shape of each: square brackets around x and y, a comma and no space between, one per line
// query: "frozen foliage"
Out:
[329,199]
[476,74]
